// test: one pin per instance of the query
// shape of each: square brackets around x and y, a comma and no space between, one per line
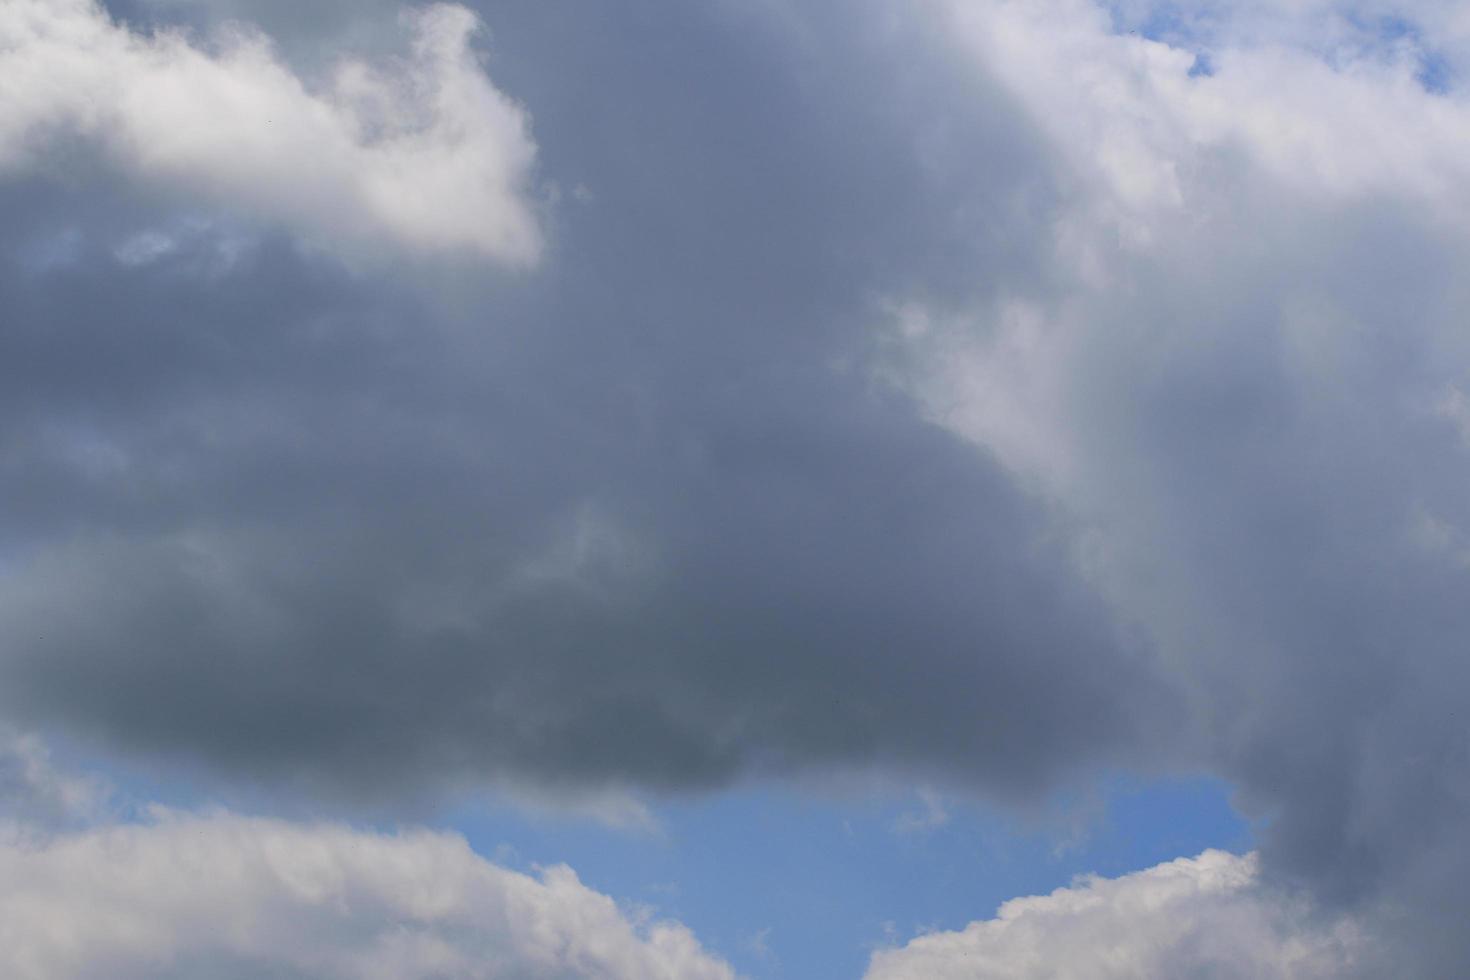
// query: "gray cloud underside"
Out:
[624,520]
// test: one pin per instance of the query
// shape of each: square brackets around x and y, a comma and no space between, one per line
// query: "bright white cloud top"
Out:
[422,153]
[224,896]
[1161,129]
[1195,917]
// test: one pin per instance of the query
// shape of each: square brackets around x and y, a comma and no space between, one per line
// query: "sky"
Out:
[734,488]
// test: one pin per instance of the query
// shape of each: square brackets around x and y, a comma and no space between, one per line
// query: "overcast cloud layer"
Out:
[987,394]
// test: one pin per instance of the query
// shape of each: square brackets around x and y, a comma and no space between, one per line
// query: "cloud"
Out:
[1234,386]
[990,396]
[34,795]
[421,153]
[1195,917]
[1142,126]
[930,818]
[222,895]
[638,521]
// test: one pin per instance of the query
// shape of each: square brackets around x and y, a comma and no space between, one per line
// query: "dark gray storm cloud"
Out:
[640,515]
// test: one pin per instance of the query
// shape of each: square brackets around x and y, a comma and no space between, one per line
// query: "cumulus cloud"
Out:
[421,152]
[1166,463]
[1150,131]
[1235,385]
[221,895]
[1195,917]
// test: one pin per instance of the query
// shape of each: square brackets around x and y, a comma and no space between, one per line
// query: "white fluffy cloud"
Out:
[228,896]
[1194,917]
[1329,114]
[422,152]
